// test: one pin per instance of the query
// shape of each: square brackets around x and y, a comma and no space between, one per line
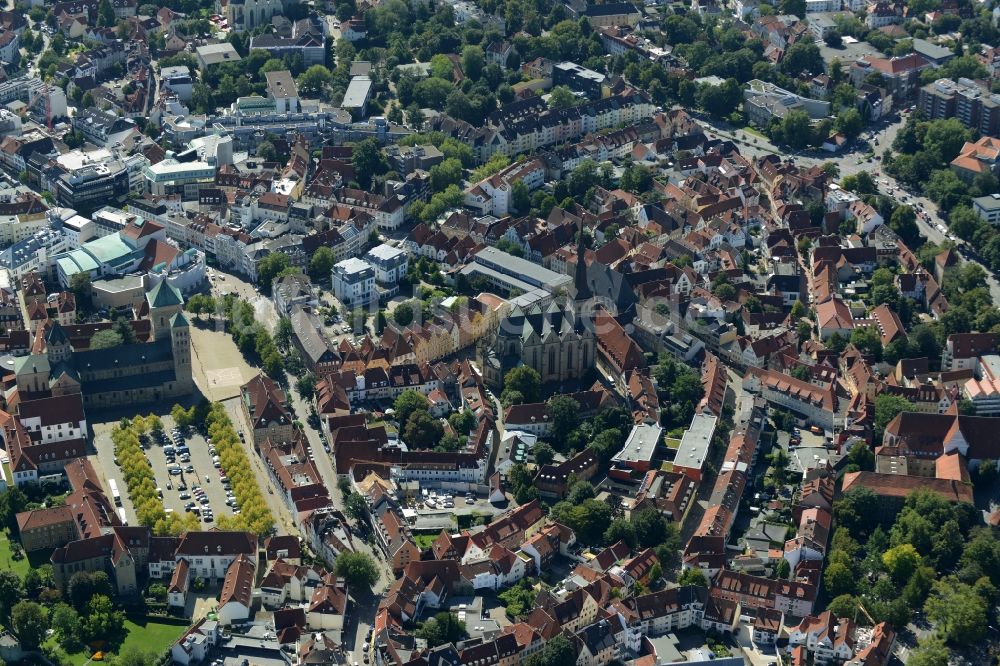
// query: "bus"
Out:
[121,516]
[115,495]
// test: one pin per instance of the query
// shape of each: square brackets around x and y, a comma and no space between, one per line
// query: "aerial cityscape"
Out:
[500,332]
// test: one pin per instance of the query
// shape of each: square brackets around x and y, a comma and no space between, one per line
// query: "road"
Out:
[365,604]
[850,164]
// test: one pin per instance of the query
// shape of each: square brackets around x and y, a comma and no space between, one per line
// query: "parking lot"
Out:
[204,473]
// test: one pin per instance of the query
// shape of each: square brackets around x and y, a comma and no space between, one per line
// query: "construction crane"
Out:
[861,608]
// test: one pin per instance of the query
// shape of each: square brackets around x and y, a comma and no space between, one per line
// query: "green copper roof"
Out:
[164,296]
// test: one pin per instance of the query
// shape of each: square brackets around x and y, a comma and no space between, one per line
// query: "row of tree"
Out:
[255,515]
[141,481]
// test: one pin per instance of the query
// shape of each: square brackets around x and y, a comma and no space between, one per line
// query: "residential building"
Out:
[354,282]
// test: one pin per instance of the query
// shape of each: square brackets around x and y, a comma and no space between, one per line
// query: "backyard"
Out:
[154,636]
[19,566]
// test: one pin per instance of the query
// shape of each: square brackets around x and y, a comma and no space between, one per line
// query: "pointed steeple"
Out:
[581,291]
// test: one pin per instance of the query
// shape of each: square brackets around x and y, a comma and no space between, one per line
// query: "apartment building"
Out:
[964,99]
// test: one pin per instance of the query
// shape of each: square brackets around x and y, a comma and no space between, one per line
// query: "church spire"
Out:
[581,291]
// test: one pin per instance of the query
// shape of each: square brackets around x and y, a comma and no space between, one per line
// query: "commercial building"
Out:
[692,452]
[988,208]
[354,282]
[507,272]
[612,14]
[216,54]
[640,448]
[578,78]
[764,102]
[356,97]
[170,177]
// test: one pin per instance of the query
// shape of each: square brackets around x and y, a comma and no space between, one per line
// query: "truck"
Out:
[115,495]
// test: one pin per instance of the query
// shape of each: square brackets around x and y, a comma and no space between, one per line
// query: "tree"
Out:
[692,576]
[838,578]
[904,222]
[930,651]
[868,341]
[83,586]
[407,403]
[447,172]
[314,81]
[266,151]
[850,123]
[557,652]
[368,161]
[795,129]
[306,386]
[961,614]
[10,591]
[589,519]
[357,569]
[355,506]
[720,100]
[441,67]
[106,14]
[520,197]
[30,622]
[66,623]
[562,97]
[887,406]
[79,284]
[105,339]
[783,570]
[843,606]
[862,456]
[270,267]
[833,39]
[102,621]
[422,430]
[403,314]
[802,56]
[901,562]
[543,453]
[473,60]
[564,413]
[440,629]
[524,380]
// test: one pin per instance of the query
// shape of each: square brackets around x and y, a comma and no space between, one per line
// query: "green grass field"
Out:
[424,541]
[7,561]
[152,636]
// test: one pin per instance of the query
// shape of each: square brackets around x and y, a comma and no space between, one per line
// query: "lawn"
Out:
[424,541]
[7,561]
[152,636]
[755,132]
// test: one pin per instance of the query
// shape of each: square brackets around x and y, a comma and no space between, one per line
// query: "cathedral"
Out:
[557,340]
[126,374]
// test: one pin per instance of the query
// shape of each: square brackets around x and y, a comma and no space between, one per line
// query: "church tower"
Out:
[581,290]
[164,302]
[57,345]
[180,342]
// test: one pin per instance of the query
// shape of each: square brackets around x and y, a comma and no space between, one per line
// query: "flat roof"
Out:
[352,265]
[521,270]
[693,450]
[385,252]
[641,444]
[989,202]
[357,92]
